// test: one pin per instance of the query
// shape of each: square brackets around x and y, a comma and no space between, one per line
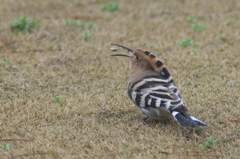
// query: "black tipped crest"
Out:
[153,56]
[147,53]
[159,63]
[122,47]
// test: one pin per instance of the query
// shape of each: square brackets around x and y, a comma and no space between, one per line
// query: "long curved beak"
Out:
[122,47]
[121,55]
[128,49]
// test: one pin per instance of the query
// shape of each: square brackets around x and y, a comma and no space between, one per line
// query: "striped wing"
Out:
[156,92]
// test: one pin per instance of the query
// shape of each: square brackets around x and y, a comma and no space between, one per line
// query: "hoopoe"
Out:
[153,90]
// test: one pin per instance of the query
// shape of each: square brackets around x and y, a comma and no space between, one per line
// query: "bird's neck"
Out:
[137,74]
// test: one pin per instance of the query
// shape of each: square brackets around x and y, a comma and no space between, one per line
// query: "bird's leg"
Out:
[145,119]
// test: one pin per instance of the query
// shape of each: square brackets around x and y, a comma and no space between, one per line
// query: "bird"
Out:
[153,90]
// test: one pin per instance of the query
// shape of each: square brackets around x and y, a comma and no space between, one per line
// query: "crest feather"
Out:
[154,61]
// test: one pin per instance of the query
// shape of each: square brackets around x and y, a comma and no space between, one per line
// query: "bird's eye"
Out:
[137,57]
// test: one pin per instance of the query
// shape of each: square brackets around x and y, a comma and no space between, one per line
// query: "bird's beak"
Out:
[121,55]
[122,47]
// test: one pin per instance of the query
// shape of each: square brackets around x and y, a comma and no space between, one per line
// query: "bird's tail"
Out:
[187,120]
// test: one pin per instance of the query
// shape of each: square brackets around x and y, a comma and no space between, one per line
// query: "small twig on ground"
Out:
[236,121]
[190,153]
[26,155]
[34,50]
[24,40]
[16,140]
[84,17]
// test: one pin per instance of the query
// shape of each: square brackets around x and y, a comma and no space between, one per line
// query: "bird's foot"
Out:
[145,119]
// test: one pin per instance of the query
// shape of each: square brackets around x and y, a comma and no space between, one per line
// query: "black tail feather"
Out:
[186,120]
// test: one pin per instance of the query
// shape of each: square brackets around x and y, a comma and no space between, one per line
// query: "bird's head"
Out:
[144,62]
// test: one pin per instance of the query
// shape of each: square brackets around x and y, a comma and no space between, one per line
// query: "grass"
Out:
[54,127]
[5,146]
[191,19]
[210,143]
[194,52]
[5,62]
[110,7]
[73,23]
[91,25]
[95,118]
[198,26]
[23,24]
[86,36]
[187,42]
[57,98]
[78,23]
[222,37]
[203,85]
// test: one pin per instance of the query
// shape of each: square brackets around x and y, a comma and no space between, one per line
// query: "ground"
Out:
[65,97]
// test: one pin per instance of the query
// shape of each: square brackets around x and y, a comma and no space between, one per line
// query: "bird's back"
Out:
[155,91]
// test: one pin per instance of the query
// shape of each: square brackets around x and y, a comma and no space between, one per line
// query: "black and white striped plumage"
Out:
[153,90]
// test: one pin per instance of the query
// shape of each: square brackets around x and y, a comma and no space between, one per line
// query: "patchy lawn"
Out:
[63,96]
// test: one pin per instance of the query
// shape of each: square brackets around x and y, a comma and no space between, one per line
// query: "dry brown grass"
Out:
[96,119]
